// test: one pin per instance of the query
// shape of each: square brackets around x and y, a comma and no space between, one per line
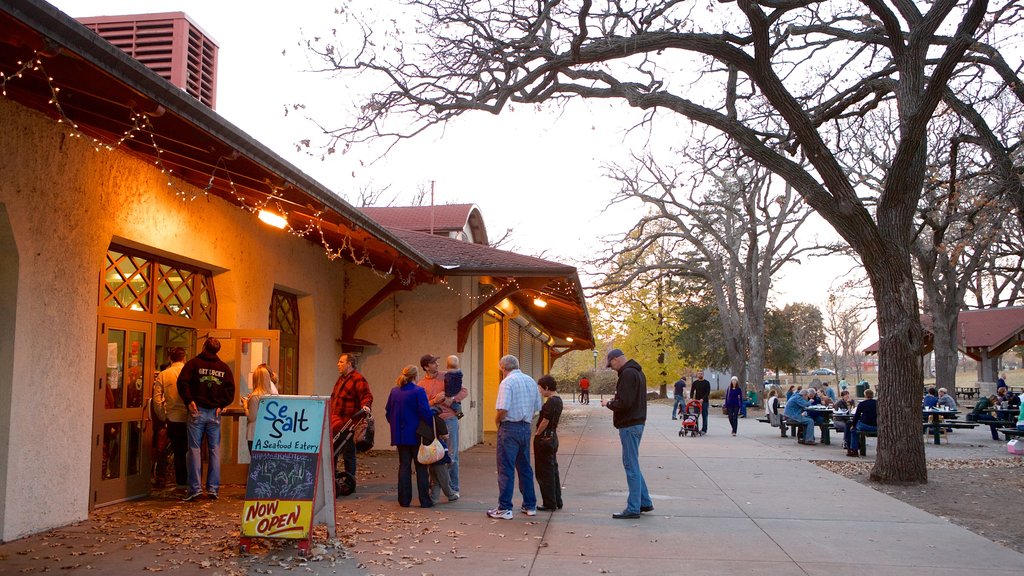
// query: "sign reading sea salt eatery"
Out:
[290,485]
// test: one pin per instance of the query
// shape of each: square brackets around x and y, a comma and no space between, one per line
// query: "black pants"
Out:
[734,415]
[177,433]
[406,461]
[545,468]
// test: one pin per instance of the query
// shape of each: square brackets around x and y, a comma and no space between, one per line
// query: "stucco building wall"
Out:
[424,322]
[66,203]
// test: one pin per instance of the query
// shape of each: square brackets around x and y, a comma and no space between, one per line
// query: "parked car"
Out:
[823,372]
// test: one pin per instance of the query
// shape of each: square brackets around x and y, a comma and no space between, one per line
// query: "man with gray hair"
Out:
[629,415]
[795,407]
[518,400]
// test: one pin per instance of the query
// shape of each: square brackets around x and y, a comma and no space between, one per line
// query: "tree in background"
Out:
[795,336]
[790,83]
[725,226]
[640,318]
[700,337]
[843,329]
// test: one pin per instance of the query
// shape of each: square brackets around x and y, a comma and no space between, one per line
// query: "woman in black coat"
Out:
[545,447]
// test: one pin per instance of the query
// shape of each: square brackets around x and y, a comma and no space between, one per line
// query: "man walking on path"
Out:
[629,414]
[700,389]
[206,386]
[679,397]
[518,400]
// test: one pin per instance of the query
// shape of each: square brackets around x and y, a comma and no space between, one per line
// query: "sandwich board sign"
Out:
[290,485]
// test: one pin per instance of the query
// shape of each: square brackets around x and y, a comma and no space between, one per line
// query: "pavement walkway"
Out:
[750,504]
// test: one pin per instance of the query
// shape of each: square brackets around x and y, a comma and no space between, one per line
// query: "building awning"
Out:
[979,334]
[53,64]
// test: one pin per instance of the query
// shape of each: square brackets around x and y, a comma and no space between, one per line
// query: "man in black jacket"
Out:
[206,386]
[701,390]
[629,414]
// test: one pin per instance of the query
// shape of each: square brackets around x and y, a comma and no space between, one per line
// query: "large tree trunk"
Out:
[901,457]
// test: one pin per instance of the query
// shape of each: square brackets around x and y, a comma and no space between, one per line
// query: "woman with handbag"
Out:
[545,447]
[407,409]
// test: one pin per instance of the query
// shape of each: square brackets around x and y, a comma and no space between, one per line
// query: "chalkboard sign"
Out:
[282,475]
[290,483]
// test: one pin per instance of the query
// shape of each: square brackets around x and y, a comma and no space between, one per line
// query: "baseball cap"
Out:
[612,354]
[427,359]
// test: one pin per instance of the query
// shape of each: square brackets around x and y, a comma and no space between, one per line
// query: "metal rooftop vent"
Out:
[170,44]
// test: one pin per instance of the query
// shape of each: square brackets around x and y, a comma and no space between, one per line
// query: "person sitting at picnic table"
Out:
[771,410]
[795,407]
[844,404]
[981,413]
[865,419]
[790,392]
[1014,401]
[1002,395]
[817,399]
[829,393]
[1020,421]
[945,400]
[931,399]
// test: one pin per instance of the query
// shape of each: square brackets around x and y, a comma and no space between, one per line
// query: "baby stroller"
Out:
[691,419]
[345,483]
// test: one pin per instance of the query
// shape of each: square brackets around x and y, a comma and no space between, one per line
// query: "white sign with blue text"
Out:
[289,424]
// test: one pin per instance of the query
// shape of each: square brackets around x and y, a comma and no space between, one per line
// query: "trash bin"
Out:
[861,387]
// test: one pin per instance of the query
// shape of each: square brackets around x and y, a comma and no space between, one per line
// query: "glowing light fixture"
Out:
[568,338]
[539,302]
[273,218]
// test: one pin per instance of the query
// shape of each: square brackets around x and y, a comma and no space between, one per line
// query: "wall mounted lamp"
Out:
[273,218]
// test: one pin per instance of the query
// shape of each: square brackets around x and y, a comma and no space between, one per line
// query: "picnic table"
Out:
[967,393]
[935,417]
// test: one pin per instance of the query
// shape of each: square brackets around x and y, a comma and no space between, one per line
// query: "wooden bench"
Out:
[862,443]
[796,429]
[1010,433]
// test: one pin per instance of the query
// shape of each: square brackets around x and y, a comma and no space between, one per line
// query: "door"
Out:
[243,350]
[121,424]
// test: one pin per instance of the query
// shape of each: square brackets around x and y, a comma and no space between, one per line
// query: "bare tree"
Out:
[733,237]
[844,327]
[787,81]
[1000,281]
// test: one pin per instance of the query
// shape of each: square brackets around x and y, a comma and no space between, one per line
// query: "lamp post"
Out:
[595,362]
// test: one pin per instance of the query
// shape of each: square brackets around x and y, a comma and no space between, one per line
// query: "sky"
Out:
[539,173]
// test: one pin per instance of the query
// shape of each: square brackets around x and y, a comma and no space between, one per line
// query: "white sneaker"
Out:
[528,511]
[499,514]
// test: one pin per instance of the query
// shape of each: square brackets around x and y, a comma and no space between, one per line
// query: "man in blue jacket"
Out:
[795,407]
[629,414]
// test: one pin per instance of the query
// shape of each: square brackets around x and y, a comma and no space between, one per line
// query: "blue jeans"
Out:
[704,405]
[638,496]
[513,452]
[453,451]
[855,437]
[205,423]
[988,418]
[808,423]
[677,403]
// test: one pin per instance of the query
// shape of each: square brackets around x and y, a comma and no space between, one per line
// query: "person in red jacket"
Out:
[351,393]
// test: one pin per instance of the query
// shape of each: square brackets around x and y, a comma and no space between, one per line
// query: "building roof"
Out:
[442,218]
[565,314]
[980,334]
[104,93]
